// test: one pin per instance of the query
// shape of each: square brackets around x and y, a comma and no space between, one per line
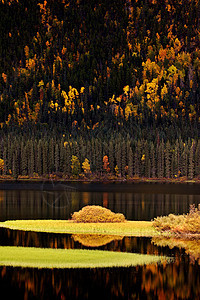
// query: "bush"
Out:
[181,224]
[96,214]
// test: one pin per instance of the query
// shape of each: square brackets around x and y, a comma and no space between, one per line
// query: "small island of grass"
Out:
[72,258]
[98,220]
[103,222]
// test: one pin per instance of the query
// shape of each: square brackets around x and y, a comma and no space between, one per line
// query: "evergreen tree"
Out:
[197,160]
[130,162]
[5,153]
[44,157]
[153,161]
[184,161]
[191,163]
[39,158]
[111,155]
[57,158]
[123,157]
[167,160]
[118,157]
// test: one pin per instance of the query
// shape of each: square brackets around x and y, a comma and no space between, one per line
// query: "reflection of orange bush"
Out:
[95,240]
[191,246]
[96,214]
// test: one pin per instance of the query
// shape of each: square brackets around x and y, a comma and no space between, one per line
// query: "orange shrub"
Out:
[96,214]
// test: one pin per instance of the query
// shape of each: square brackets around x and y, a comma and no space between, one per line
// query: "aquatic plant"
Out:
[97,214]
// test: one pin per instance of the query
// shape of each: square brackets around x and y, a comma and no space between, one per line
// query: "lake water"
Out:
[179,279]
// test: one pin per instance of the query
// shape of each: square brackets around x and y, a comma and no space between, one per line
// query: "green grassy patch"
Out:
[68,258]
[127,228]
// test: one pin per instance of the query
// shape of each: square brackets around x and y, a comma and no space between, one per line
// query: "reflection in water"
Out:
[171,281]
[177,280]
[191,246]
[37,204]
[95,240]
[66,241]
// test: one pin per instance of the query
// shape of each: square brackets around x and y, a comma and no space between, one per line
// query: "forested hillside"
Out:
[90,70]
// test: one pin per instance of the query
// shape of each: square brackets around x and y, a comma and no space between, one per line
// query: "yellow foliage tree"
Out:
[86,166]
[1,164]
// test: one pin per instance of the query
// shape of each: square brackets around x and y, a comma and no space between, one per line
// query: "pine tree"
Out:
[191,163]
[184,161]
[62,150]
[130,162]
[32,159]
[111,155]
[67,160]
[136,162]
[197,160]
[5,153]
[167,160]
[24,159]
[15,170]
[39,158]
[118,157]
[123,157]
[44,157]
[152,160]
[160,160]
[57,158]
[147,160]
[51,156]
[99,156]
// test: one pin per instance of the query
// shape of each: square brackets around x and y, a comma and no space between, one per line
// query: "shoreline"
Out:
[100,180]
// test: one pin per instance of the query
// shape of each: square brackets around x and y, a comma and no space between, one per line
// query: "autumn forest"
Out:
[100,88]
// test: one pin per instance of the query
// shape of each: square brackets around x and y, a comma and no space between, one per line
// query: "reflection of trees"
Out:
[191,246]
[179,280]
[171,281]
[65,241]
[31,204]
[95,240]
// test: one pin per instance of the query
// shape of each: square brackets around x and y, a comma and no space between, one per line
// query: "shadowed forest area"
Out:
[100,88]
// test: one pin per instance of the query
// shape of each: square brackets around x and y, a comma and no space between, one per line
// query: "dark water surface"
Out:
[59,201]
[179,279]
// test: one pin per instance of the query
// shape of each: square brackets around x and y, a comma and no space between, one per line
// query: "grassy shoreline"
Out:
[127,228]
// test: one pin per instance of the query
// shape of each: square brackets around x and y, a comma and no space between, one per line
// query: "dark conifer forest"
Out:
[97,88]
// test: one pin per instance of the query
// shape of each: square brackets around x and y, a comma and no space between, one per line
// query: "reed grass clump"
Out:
[97,214]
